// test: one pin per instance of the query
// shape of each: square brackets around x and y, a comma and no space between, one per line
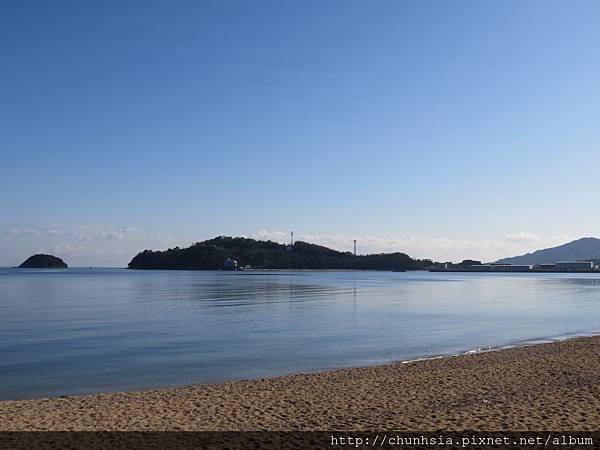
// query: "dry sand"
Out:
[548,386]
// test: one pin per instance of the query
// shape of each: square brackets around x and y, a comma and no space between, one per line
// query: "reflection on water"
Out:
[79,331]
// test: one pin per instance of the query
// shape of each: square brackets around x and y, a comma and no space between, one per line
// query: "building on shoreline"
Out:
[449,267]
[230,264]
[566,266]
[500,268]
[562,266]
[574,265]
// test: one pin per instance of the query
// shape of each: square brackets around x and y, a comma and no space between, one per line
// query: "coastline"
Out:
[549,386]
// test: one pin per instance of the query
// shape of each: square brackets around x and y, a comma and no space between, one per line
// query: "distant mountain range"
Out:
[585,249]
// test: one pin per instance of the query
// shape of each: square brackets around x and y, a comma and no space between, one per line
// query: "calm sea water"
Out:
[78,331]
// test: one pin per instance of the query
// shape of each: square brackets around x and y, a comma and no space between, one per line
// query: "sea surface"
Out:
[78,331]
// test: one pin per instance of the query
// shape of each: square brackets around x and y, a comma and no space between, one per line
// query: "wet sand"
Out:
[552,386]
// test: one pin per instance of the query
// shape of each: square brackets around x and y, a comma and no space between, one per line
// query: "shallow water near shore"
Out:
[78,331]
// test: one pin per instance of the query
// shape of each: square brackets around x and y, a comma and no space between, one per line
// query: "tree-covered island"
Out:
[250,253]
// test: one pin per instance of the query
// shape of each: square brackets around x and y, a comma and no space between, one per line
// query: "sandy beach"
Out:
[553,386]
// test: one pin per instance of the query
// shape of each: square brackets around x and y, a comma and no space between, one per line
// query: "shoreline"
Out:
[258,270]
[551,385]
[593,271]
[383,363]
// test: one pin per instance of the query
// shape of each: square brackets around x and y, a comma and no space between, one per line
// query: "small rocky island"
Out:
[43,262]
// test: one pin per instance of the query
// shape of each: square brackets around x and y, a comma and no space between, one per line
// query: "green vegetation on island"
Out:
[212,255]
[43,262]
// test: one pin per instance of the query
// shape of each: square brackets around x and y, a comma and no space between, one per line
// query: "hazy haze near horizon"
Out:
[444,130]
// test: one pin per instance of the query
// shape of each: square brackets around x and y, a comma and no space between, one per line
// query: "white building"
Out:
[230,264]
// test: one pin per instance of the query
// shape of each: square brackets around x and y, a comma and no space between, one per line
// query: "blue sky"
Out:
[443,129]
